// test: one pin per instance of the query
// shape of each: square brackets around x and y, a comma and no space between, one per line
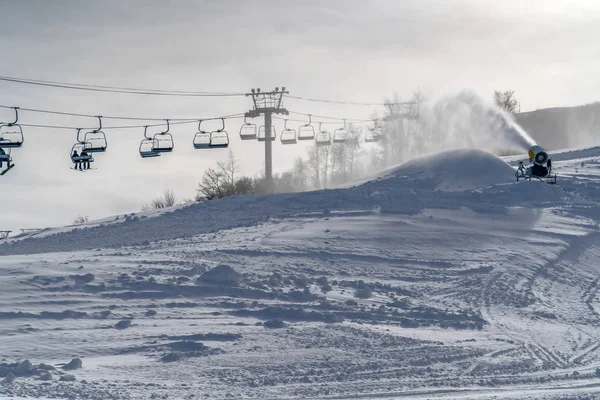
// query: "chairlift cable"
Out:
[114,117]
[162,92]
[353,103]
[339,119]
[114,89]
[189,121]
[336,119]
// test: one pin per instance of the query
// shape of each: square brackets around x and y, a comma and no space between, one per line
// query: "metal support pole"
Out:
[267,104]
[268,151]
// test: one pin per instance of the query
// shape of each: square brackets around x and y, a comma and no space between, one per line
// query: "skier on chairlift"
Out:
[75,161]
[86,161]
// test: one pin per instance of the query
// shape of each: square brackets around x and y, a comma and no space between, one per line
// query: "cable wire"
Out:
[183,93]
[182,122]
[114,89]
[353,103]
[335,118]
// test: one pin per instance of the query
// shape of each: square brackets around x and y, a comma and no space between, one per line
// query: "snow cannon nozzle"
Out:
[538,155]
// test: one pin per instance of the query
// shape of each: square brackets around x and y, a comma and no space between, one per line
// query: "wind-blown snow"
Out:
[467,120]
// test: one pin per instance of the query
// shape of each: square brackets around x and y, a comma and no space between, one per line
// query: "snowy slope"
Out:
[441,278]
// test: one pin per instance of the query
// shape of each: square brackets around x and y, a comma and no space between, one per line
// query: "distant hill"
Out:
[562,127]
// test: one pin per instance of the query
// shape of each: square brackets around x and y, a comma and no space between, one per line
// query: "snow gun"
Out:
[540,166]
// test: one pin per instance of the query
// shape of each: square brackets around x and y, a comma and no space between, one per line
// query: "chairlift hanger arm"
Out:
[99,123]
[78,138]
[16,117]
[200,127]
[168,127]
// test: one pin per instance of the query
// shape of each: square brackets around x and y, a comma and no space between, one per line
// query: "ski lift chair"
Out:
[163,141]
[147,146]
[306,132]
[80,147]
[219,138]
[11,133]
[288,136]
[248,131]
[373,134]
[96,139]
[201,138]
[340,135]
[323,138]
[262,134]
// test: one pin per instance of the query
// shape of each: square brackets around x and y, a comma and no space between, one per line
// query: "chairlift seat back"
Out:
[11,139]
[306,132]
[219,139]
[323,138]
[340,136]
[146,147]
[202,140]
[373,135]
[163,143]
[248,132]
[95,142]
[288,136]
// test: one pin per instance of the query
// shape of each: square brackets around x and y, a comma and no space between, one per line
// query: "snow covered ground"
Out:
[441,278]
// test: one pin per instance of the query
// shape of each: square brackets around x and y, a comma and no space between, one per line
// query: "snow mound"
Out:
[453,170]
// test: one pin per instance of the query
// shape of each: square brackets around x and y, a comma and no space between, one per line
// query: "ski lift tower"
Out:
[267,104]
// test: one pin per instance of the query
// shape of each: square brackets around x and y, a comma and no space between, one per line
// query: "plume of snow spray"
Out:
[466,120]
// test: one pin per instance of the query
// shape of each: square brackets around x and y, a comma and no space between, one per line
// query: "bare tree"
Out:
[300,173]
[168,199]
[314,165]
[81,220]
[352,148]
[506,100]
[229,168]
[245,185]
[418,98]
[325,154]
[284,183]
[214,184]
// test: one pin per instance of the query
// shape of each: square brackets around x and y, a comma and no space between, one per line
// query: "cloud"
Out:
[352,50]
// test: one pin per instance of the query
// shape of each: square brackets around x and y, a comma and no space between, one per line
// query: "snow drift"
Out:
[452,170]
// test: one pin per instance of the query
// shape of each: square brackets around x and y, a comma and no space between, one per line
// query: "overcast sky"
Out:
[349,50]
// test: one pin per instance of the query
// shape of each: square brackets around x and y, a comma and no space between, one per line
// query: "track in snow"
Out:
[484,291]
